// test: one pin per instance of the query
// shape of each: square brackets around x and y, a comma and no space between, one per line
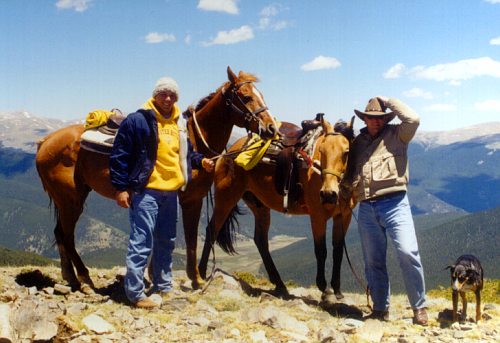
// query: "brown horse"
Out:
[319,199]
[69,173]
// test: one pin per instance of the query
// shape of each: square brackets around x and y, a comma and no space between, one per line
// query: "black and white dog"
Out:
[466,275]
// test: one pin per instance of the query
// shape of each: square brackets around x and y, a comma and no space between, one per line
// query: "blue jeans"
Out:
[153,219]
[391,216]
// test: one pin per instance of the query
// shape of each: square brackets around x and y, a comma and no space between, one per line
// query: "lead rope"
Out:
[356,276]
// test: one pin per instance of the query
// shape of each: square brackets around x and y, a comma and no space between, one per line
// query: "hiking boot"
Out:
[379,315]
[420,317]
[146,303]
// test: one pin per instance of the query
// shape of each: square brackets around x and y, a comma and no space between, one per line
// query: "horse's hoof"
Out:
[339,295]
[198,284]
[282,293]
[86,289]
[328,297]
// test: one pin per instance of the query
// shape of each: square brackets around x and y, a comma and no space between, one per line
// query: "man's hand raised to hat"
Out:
[383,101]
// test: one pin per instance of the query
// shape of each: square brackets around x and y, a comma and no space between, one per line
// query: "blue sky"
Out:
[64,58]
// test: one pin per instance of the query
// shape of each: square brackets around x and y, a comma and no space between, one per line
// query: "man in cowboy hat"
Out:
[378,170]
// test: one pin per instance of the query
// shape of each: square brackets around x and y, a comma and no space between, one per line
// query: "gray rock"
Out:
[61,289]
[327,334]
[97,324]
[34,321]
[48,290]
[353,323]
[258,337]
[75,309]
[5,327]
[32,290]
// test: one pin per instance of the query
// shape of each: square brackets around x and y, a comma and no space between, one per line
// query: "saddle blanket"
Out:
[97,141]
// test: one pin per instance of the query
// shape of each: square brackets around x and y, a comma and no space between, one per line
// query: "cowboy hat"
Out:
[375,108]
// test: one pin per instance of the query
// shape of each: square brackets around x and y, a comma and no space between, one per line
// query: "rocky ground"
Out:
[36,306]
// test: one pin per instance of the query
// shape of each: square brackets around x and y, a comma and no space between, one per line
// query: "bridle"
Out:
[328,171]
[234,101]
[230,95]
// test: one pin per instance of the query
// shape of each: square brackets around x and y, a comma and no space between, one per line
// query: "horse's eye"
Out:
[247,98]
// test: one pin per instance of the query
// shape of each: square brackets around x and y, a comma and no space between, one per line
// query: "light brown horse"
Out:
[320,200]
[69,173]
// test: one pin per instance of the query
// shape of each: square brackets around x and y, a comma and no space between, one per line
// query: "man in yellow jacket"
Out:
[150,161]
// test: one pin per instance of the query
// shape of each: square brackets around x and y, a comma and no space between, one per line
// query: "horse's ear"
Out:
[351,124]
[325,124]
[230,75]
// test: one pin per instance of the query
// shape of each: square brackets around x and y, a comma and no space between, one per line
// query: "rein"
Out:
[198,130]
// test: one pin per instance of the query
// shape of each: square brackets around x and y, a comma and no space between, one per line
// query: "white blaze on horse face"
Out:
[262,103]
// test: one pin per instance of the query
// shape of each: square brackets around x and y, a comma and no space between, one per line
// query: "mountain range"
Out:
[454,174]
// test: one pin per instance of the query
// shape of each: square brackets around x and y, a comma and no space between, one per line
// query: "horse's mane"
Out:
[247,77]
[345,129]
[242,77]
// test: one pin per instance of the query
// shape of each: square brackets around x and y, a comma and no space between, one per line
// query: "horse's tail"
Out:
[41,175]
[227,236]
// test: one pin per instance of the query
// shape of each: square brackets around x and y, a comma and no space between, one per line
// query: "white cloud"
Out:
[244,33]
[188,39]
[269,11]
[228,6]
[267,20]
[455,83]
[395,71]
[77,5]
[321,62]
[440,108]
[493,1]
[495,41]
[417,93]
[458,71]
[488,105]
[155,37]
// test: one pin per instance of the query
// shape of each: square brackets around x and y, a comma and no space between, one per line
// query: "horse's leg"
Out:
[207,247]
[226,198]
[318,226]
[261,239]
[67,271]
[190,218]
[69,215]
[340,226]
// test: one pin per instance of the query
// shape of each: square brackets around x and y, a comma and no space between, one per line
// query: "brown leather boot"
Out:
[146,303]
[420,317]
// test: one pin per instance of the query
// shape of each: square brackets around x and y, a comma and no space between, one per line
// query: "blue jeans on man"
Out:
[153,219]
[390,215]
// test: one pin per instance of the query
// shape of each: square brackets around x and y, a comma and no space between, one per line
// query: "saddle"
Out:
[290,153]
[100,139]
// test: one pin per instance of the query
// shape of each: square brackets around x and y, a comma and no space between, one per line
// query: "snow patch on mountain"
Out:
[22,130]
[488,132]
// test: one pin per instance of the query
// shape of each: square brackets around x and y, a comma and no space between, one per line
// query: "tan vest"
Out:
[381,164]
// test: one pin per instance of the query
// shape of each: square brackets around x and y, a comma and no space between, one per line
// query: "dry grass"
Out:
[489,294]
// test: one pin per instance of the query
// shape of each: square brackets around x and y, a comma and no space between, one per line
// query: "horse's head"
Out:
[247,104]
[333,148]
